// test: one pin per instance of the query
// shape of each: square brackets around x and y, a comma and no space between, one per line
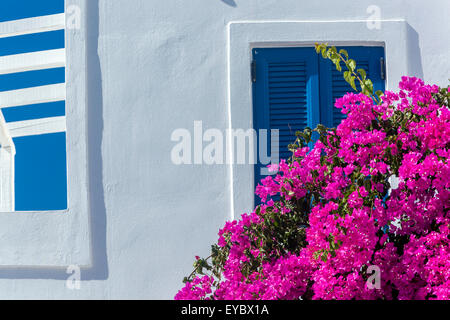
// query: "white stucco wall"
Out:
[153,67]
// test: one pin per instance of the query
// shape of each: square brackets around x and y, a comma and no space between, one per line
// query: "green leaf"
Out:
[363,74]
[347,75]
[321,47]
[369,86]
[317,47]
[338,65]
[352,65]
[379,93]
[353,83]
[321,129]
[350,79]
[344,52]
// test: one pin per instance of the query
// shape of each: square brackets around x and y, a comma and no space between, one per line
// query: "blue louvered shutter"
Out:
[333,85]
[285,95]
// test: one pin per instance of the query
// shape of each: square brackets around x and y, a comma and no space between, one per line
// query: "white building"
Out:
[136,71]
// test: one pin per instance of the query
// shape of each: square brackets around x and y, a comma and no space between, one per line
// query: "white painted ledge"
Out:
[32,25]
[37,126]
[33,61]
[35,95]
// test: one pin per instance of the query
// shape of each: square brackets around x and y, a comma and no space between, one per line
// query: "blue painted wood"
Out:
[333,85]
[32,42]
[21,9]
[41,174]
[35,111]
[29,79]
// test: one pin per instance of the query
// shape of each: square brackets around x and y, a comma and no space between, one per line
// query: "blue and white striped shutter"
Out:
[32,101]
[285,95]
[333,85]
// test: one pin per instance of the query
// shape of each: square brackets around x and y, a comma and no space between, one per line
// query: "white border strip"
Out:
[37,126]
[33,61]
[23,97]
[32,25]
[230,151]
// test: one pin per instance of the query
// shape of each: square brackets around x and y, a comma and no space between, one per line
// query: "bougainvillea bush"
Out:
[364,214]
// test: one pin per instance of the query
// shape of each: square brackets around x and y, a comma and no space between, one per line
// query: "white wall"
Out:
[159,66]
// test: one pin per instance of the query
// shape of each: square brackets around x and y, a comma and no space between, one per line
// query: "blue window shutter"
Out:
[285,95]
[333,85]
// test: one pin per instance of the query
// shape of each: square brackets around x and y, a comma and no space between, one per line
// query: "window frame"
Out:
[59,238]
[243,36]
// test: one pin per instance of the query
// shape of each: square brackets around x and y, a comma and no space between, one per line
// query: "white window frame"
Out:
[59,238]
[245,35]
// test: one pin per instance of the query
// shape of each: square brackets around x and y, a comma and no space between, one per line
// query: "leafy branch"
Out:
[352,73]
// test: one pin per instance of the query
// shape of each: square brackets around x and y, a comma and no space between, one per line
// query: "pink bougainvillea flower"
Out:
[372,196]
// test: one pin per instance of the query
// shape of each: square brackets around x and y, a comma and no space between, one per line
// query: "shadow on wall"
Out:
[97,219]
[231,3]
[415,67]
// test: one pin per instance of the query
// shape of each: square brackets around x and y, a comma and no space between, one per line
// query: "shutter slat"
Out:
[287,84]
[287,114]
[287,100]
[284,95]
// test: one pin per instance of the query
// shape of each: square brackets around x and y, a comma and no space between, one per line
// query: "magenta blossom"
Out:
[373,194]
